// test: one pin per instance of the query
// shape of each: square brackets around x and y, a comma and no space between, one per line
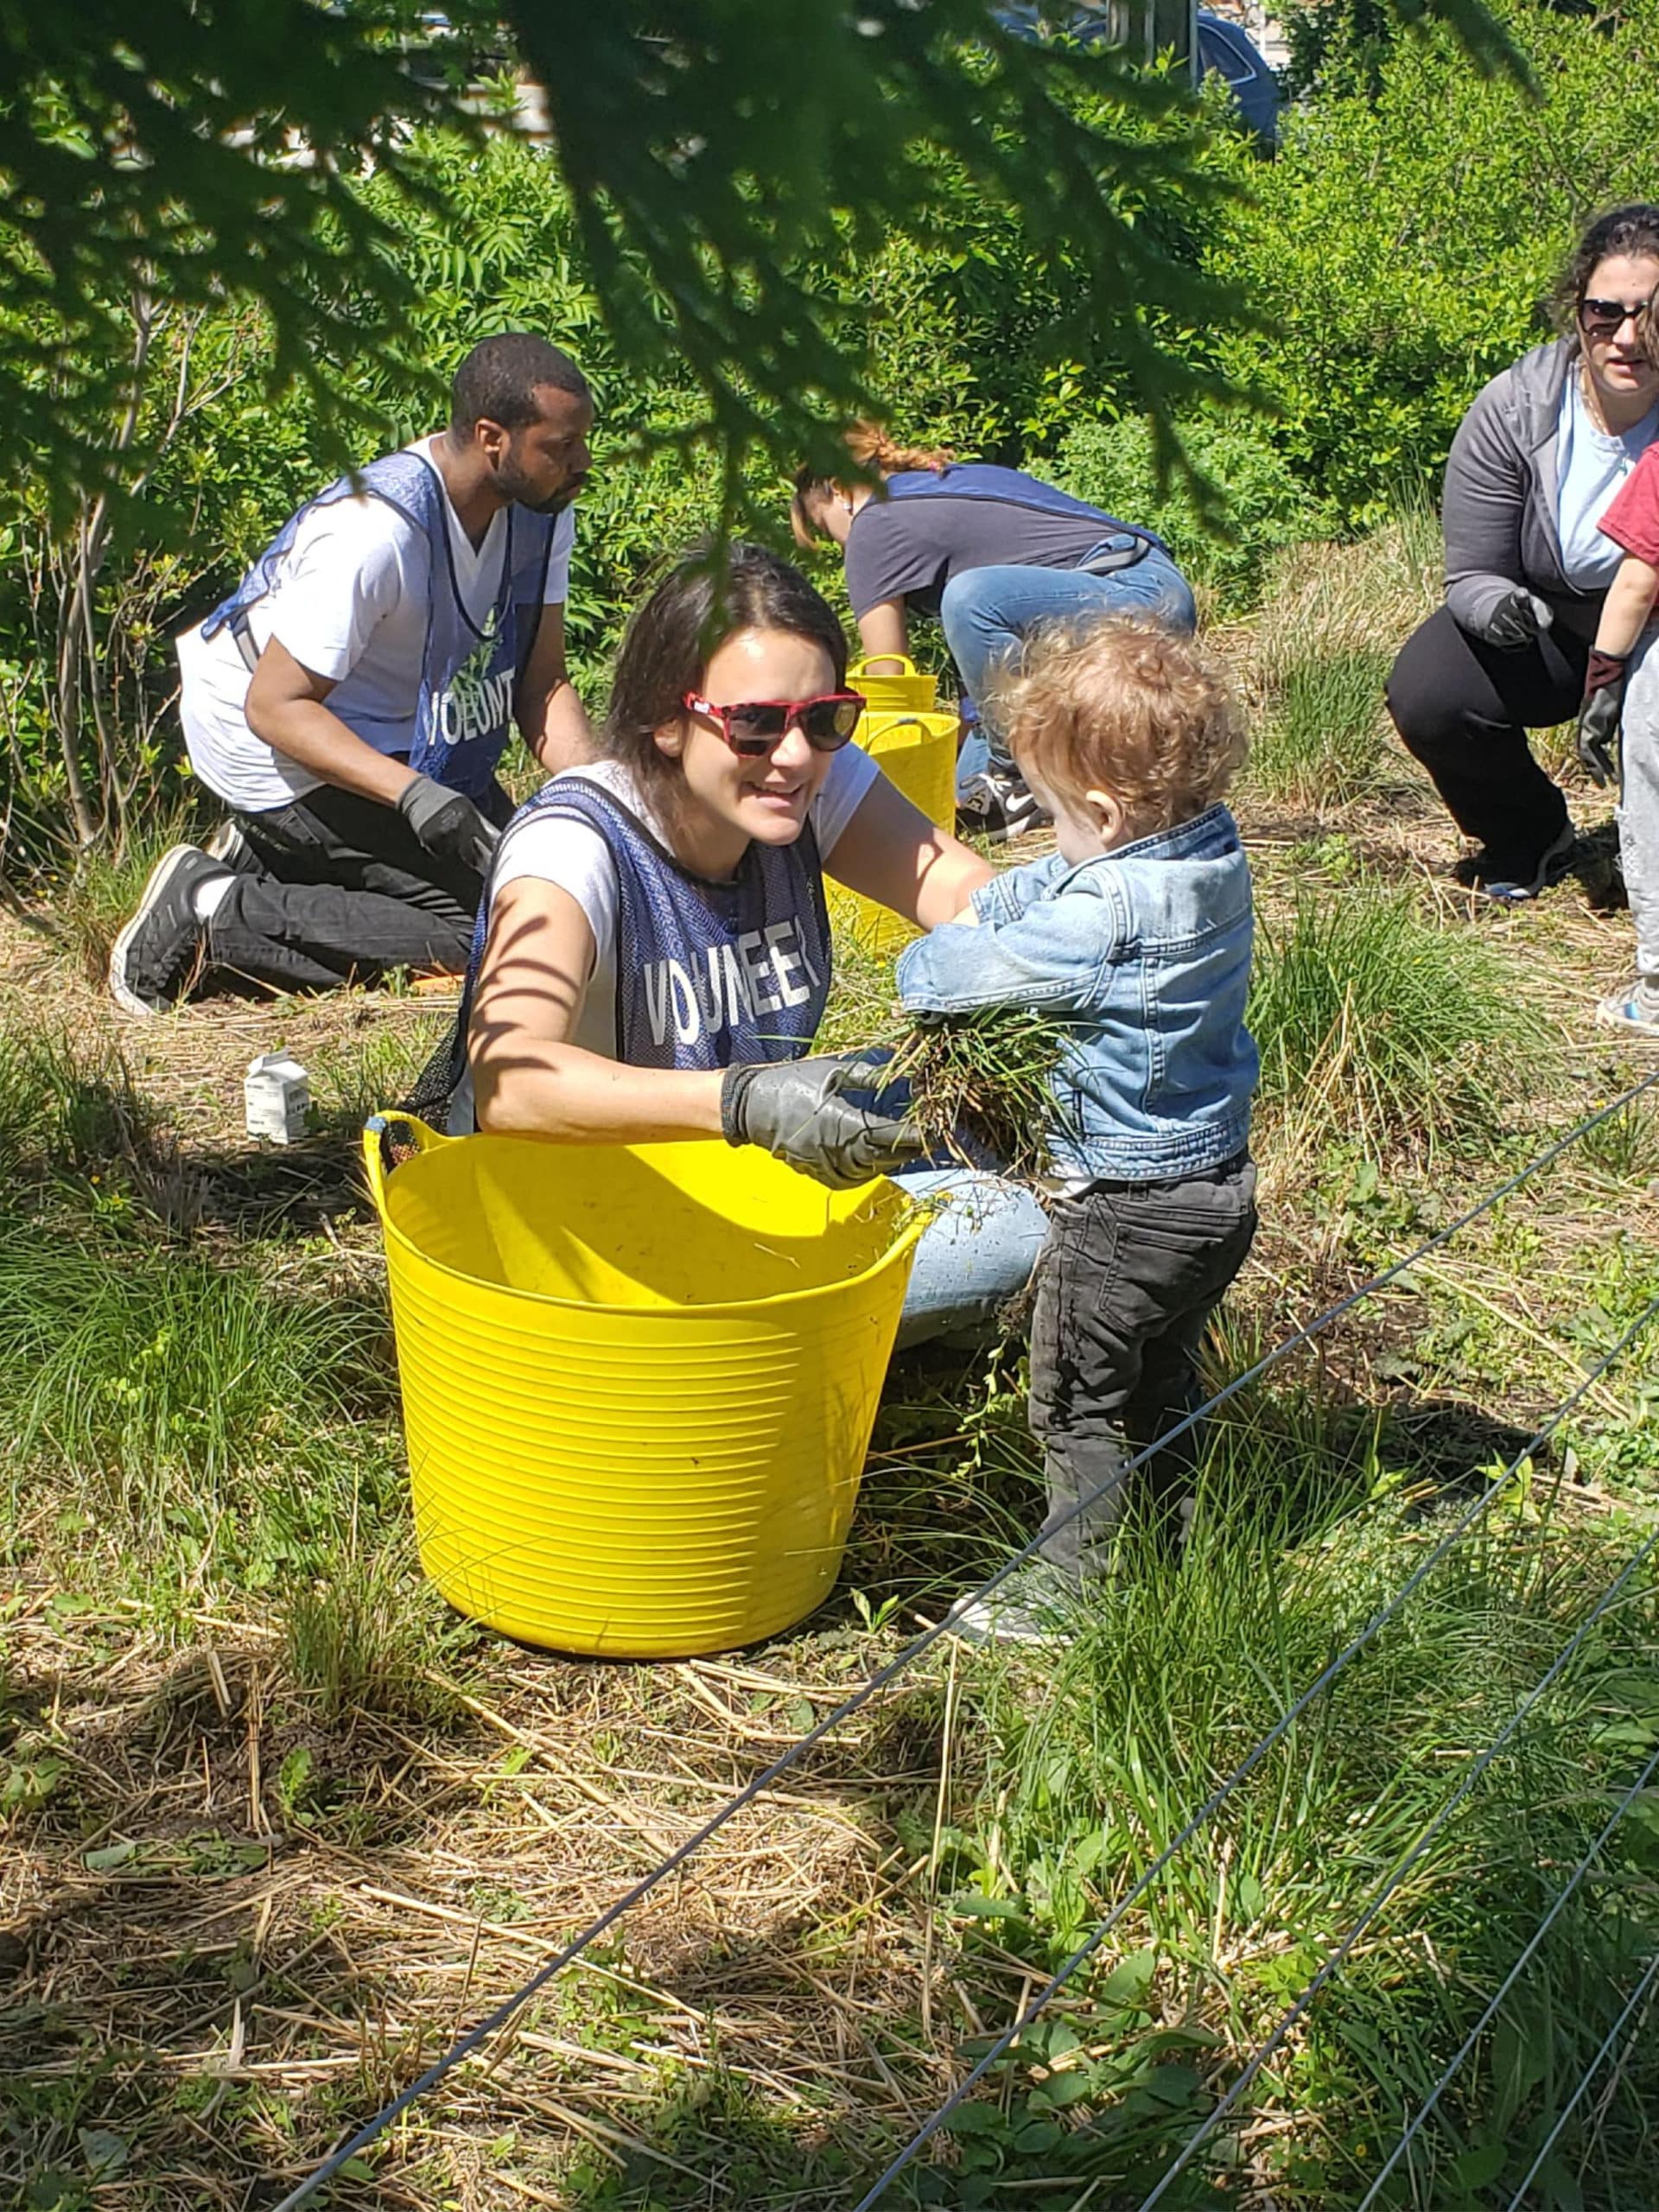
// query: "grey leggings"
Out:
[1638,805]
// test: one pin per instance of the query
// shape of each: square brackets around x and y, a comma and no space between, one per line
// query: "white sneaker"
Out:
[1034,1605]
[1635,1009]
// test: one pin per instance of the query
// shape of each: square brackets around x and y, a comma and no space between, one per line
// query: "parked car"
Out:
[1224,48]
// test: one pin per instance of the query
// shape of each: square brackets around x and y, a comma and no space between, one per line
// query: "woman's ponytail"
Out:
[869,442]
[870,446]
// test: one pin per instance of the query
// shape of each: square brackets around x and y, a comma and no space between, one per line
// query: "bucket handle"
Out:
[906,666]
[390,1139]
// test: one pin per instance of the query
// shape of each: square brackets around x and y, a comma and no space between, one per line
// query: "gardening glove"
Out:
[1520,618]
[1600,716]
[448,824]
[796,1110]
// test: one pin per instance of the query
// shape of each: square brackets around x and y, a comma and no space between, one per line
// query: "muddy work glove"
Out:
[1601,714]
[448,824]
[1516,620]
[798,1111]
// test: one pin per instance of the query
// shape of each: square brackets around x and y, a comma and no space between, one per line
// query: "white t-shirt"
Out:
[1590,466]
[350,603]
[575,857]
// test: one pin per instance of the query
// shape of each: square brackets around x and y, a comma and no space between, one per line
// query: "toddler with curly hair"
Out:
[1135,933]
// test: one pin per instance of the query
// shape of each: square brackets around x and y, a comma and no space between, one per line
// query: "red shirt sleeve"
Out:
[1632,520]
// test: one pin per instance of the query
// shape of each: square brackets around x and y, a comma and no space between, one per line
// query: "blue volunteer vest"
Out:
[1012,487]
[708,975]
[463,718]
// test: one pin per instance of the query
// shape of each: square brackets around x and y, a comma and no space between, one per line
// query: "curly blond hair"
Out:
[1126,706]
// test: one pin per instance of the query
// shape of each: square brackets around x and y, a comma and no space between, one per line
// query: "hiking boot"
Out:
[1036,1604]
[231,848]
[1510,881]
[1635,1009]
[155,959]
[997,804]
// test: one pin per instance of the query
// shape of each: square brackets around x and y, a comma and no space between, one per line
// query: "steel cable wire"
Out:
[1339,1957]
[1410,2135]
[1585,2080]
[907,1656]
[1241,1773]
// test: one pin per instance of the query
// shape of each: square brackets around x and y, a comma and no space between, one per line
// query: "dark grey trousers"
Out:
[345,891]
[1126,1286]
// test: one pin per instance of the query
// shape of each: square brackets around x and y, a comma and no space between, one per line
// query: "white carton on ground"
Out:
[278,1095]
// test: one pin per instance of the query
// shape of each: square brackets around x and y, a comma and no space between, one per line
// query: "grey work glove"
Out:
[796,1110]
[1519,618]
[1601,716]
[448,824]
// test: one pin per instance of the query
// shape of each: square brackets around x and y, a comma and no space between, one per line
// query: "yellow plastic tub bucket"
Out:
[898,683]
[917,752]
[639,1380]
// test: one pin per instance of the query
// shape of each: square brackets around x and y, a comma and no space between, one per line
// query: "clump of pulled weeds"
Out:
[981,1086]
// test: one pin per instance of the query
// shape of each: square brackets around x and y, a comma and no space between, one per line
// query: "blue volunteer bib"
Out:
[708,975]
[463,718]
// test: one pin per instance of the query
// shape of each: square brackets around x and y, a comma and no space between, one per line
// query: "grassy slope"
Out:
[275,1823]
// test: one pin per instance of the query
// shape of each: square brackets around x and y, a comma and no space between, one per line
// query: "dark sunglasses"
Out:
[1607,318]
[754,728]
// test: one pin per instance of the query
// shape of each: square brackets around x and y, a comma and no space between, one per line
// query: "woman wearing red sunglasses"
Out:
[653,954]
[1533,468]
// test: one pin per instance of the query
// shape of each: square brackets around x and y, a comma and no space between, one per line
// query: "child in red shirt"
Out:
[1622,684]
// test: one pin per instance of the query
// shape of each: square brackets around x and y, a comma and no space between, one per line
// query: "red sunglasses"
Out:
[754,728]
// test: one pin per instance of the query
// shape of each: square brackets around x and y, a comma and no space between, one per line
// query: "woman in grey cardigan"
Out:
[1534,463]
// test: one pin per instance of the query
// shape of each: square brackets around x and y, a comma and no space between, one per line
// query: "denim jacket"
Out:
[1146,952]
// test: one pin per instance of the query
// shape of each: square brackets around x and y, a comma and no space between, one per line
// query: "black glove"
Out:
[448,824]
[1601,714]
[795,1109]
[1519,618]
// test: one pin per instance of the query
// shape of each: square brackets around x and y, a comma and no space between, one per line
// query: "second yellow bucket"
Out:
[639,1380]
[917,751]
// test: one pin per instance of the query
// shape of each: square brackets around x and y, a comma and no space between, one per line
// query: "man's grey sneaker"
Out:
[1036,1604]
[996,806]
[1511,882]
[154,958]
[1635,1009]
[232,849]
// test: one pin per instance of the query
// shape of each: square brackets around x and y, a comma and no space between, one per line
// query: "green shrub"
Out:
[1267,503]
[1398,250]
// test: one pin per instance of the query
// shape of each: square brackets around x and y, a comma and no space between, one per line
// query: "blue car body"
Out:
[1225,49]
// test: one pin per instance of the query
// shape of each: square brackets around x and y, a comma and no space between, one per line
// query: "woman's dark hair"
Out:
[1632,230]
[673,635]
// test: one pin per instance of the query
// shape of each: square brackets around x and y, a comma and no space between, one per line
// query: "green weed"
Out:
[1625,1146]
[1097,1756]
[90,903]
[373,1069]
[159,1385]
[1321,736]
[372,1637]
[981,1084]
[68,1109]
[1374,1025]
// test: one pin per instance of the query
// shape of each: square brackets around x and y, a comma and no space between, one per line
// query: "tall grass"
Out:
[1098,1754]
[159,1390]
[1372,1024]
[1319,739]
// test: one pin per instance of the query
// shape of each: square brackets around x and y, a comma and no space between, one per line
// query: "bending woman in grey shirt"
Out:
[1535,462]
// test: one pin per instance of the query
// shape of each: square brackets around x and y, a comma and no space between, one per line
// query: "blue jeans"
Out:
[989,612]
[975,1254]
